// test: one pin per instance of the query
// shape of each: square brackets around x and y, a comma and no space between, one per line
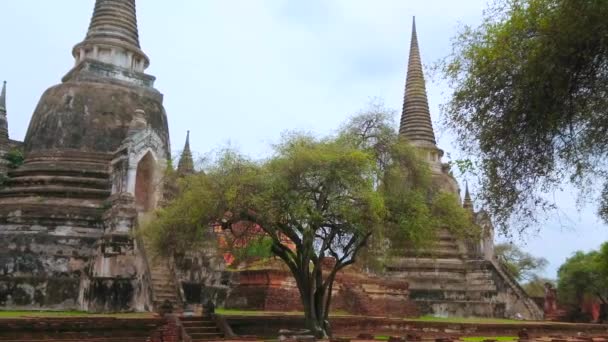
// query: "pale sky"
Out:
[244,71]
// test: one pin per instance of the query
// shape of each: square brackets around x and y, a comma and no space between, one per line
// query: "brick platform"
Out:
[354,291]
[97,329]
[268,326]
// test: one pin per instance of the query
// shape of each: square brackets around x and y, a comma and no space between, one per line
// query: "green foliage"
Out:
[256,248]
[521,265]
[535,287]
[582,275]
[15,158]
[529,100]
[315,198]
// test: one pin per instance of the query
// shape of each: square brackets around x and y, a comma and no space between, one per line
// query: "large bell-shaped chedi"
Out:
[94,150]
[452,277]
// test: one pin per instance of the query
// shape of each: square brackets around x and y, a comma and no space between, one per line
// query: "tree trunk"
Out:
[314,322]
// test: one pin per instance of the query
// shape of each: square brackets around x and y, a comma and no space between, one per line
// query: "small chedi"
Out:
[95,153]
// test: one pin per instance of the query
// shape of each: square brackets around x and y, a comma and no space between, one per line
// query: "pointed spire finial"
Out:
[3,123]
[416,124]
[3,98]
[113,30]
[467,203]
[186,163]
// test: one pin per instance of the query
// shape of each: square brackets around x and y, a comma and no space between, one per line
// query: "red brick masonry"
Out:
[354,292]
[268,326]
[98,329]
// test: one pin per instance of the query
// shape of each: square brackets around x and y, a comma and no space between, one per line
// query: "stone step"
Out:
[435,253]
[164,293]
[163,283]
[447,244]
[160,272]
[479,276]
[480,281]
[445,234]
[429,286]
[205,336]
[456,301]
[447,295]
[448,277]
[44,170]
[54,190]
[160,275]
[163,286]
[63,166]
[426,264]
[198,329]
[189,324]
[98,183]
[162,299]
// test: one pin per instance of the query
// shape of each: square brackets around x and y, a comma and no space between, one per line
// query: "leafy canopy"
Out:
[530,99]
[582,275]
[316,198]
[521,265]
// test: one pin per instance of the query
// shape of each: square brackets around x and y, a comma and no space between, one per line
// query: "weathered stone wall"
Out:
[354,292]
[42,266]
[202,275]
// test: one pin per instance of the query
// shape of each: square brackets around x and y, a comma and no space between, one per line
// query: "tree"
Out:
[521,265]
[583,274]
[529,99]
[315,198]
[535,287]
[14,159]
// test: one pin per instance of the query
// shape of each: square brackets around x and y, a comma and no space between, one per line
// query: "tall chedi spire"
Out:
[416,123]
[4,142]
[186,163]
[3,120]
[468,202]
[113,36]
[3,98]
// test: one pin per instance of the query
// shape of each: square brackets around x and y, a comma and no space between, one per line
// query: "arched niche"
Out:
[145,183]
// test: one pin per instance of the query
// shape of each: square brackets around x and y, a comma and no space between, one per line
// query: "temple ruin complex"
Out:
[95,153]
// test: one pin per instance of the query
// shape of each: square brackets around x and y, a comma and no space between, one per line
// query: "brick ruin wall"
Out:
[276,290]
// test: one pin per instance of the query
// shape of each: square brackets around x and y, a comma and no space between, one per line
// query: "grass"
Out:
[466,339]
[496,338]
[231,312]
[59,314]
[464,320]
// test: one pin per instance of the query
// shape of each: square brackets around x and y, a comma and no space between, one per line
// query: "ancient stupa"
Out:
[94,152]
[454,277]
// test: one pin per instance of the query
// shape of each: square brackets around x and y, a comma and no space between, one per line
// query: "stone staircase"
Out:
[165,289]
[445,281]
[201,328]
